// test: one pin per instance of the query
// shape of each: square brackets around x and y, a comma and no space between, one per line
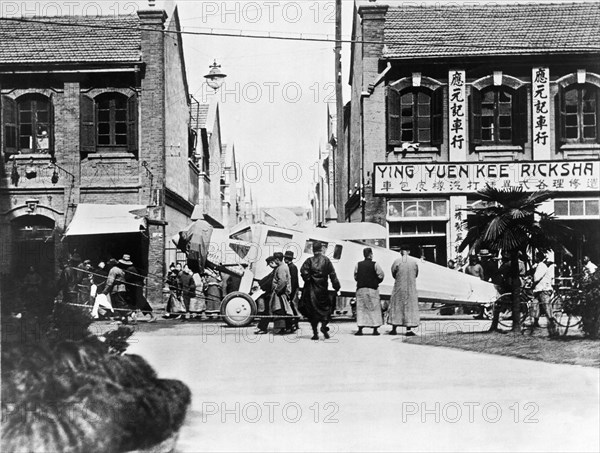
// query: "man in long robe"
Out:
[368,275]
[316,303]
[404,303]
[292,324]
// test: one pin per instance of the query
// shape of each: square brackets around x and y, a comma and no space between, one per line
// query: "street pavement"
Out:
[272,393]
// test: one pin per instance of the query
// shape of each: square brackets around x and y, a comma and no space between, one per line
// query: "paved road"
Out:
[266,393]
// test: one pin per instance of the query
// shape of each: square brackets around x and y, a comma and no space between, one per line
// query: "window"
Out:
[579,111]
[309,243]
[577,208]
[28,125]
[498,116]
[417,228]
[108,123]
[415,116]
[416,209]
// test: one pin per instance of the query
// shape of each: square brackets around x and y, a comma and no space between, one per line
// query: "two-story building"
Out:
[97,152]
[447,99]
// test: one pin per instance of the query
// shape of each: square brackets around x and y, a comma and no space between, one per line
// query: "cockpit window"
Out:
[244,235]
[337,252]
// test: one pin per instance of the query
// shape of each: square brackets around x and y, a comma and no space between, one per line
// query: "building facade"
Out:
[98,153]
[447,99]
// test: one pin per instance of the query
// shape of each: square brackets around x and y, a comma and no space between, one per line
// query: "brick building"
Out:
[446,99]
[97,150]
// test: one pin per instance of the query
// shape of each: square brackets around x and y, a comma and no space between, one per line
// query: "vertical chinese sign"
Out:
[540,108]
[457,106]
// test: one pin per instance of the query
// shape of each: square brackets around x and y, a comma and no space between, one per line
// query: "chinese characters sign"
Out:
[457,105]
[540,98]
[459,178]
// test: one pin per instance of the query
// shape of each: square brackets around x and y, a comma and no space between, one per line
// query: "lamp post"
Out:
[215,77]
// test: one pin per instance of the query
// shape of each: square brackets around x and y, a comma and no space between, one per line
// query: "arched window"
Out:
[579,112]
[498,116]
[109,123]
[28,124]
[415,116]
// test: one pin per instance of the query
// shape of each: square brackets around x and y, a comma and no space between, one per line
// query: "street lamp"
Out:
[215,77]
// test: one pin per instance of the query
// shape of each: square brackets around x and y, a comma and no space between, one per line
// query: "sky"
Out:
[273,104]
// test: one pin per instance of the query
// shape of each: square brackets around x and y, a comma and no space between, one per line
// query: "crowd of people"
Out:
[541,277]
[115,289]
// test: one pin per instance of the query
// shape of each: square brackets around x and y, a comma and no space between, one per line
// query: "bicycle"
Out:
[505,303]
[565,308]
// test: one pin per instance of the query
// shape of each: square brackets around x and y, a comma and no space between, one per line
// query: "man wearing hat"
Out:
[404,302]
[288,257]
[316,303]
[115,287]
[266,284]
[135,289]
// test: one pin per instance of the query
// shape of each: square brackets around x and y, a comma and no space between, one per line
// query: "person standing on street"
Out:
[368,275]
[474,268]
[282,288]
[404,302]
[292,324]
[115,287]
[266,285]
[543,277]
[316,303]
[188,288]
[135,290]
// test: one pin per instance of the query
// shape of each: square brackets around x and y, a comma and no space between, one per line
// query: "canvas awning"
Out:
[91,219]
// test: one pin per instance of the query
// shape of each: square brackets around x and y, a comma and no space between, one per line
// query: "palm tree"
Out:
[511,221]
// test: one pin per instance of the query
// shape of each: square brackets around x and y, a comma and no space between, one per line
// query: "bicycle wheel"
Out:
[563,313]
[505,306]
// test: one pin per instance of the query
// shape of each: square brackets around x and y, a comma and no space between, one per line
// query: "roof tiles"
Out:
[73,39]
[495,29]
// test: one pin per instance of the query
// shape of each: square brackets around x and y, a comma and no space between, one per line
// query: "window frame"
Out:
[90,124]
[394,117]
[562,114]
[12,110]
[496,128]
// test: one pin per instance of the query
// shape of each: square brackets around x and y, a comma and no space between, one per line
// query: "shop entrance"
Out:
[432,249]
[33,245]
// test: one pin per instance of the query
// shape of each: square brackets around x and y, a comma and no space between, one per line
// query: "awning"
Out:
[93,219]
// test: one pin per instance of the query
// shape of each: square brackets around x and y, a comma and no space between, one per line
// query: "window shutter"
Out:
[393,110]
[51,127]
[132,124]
[519,116]
[87,125]
[560,118]
[437,117]
[9,119]
[597,93]
[475,117]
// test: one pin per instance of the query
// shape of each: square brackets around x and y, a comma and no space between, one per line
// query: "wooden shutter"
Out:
[519,116]
[475,117]
[597,94]
[9,119]
[393,116]
[560,118]
[87,125]
[51,127]
[132,124]
[437,117]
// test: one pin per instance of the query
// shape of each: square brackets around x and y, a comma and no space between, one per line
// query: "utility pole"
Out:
[340,168]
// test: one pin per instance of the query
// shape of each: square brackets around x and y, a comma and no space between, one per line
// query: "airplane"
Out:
[241,253]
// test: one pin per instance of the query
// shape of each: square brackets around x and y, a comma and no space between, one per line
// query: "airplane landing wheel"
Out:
[238,309]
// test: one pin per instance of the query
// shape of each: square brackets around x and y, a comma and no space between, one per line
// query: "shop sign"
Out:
[540,98]
[457,107]
[458,178]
